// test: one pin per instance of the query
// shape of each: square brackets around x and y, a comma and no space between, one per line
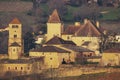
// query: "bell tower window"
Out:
[14,26]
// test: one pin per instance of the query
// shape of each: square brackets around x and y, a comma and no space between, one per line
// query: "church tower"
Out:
[54,25]
[15,46]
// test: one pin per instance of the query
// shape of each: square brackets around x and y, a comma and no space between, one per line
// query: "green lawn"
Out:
[113,14]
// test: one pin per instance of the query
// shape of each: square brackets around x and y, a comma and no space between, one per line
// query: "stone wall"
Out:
[66,71]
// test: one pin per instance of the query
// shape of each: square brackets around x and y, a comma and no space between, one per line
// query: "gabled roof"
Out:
[58,40]
[50,49]
[15,44]
[15,21]
[88,29]
[54,18]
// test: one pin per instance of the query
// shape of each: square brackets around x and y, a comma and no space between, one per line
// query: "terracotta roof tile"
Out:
[71,29]
[50,49]
[58,40]
[15,21]
[54,18]
[88,29]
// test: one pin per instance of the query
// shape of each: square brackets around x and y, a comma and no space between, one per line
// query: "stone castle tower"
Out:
[15,46]
[54,25]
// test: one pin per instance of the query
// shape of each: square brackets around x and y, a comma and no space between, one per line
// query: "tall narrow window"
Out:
[21,68]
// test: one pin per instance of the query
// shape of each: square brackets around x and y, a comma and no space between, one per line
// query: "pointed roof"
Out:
[15,44]
[15,21]
[58,40]
[88,29]
[54,18]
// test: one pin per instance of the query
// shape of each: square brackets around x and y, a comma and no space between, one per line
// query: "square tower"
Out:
[15,36]
[54,26]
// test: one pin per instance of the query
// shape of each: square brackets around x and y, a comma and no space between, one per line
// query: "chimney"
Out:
[77,23]
[85,21]
[97,24]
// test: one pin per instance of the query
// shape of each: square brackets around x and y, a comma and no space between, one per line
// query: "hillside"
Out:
[108,16]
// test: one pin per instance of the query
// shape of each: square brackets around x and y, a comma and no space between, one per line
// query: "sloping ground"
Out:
[15,6]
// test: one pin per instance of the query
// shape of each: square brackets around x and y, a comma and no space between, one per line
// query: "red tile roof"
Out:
[54,18]
[88,29]
[15,21]
[71,29]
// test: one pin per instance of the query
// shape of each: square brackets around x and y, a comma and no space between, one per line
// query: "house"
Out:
[24,66]
[53,56]
[111,57]
[78,33]
[76,52]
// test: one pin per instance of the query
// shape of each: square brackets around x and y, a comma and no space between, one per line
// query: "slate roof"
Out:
[58,40]
[15,44]
[50,49]
[54,18]
[15,21]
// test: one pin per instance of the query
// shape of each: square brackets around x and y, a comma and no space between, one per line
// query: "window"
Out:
[15,36]
[14,50]
[8,68]
[21,68]
[15,68]
[68,37]
[14,26]
[28,68]
[50,58]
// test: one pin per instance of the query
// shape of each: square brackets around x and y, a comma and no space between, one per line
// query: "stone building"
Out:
[111,57]
[78,33]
